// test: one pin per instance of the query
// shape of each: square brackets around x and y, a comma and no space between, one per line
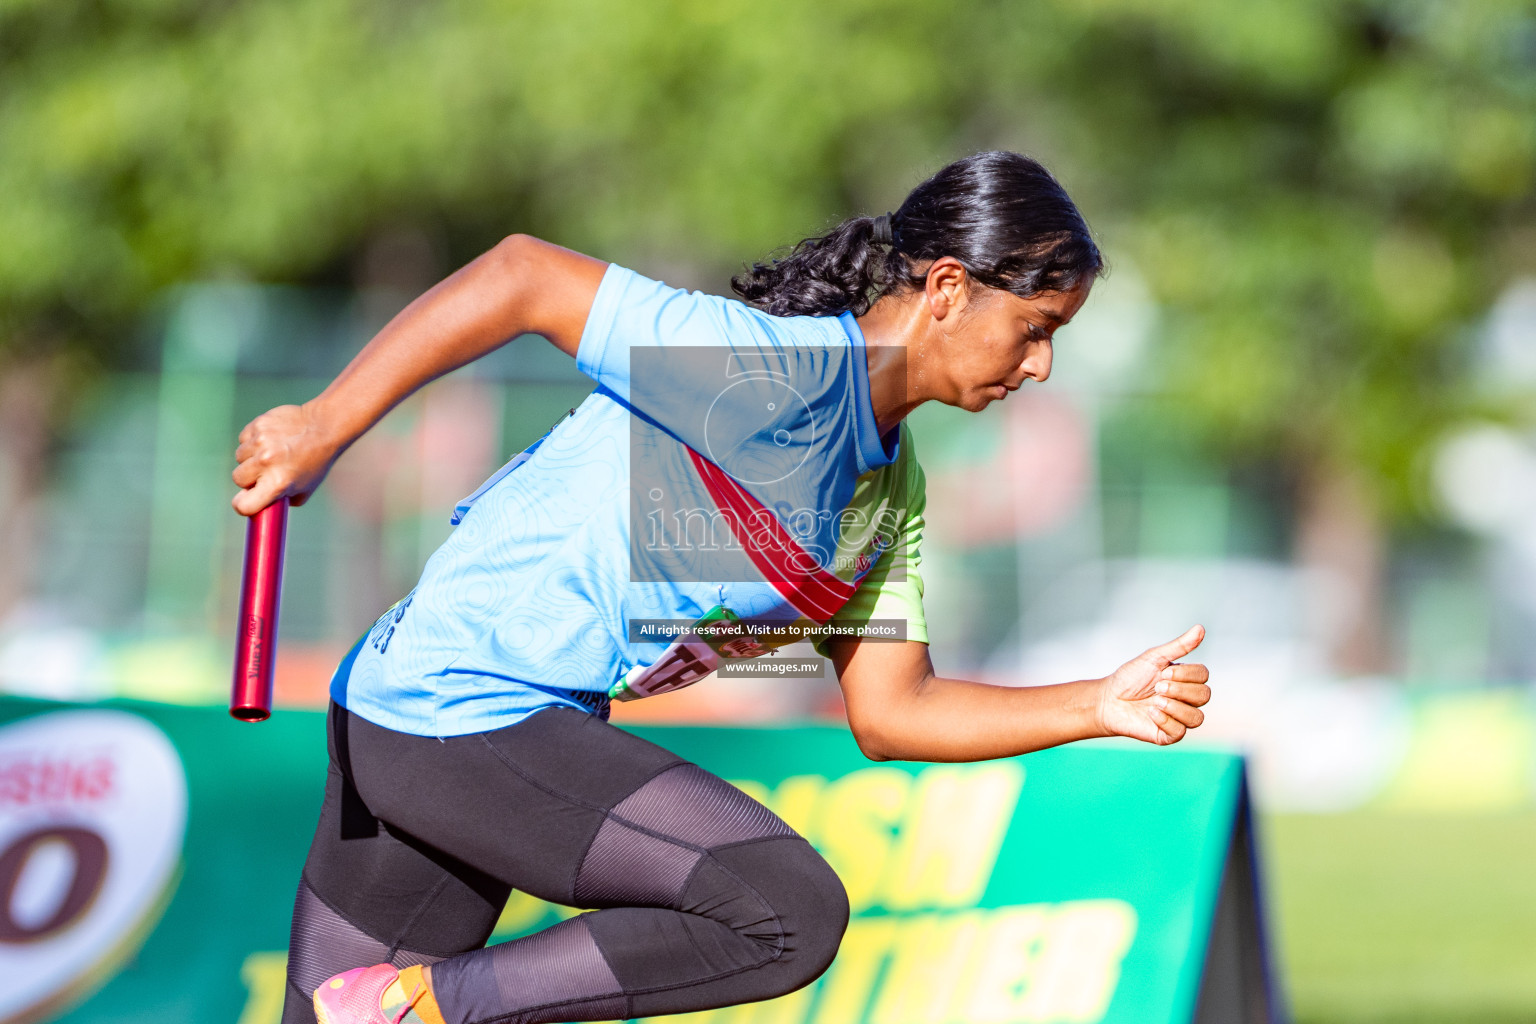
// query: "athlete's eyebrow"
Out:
[1055,318]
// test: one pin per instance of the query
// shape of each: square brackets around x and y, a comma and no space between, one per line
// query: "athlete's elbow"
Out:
[515,253]
[875,737]
[874,753]
[516,278]
[888,722]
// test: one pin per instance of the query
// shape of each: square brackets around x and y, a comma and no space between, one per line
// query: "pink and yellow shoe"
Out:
[356,997]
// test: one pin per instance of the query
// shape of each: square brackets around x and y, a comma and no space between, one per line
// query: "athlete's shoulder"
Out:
[631,291]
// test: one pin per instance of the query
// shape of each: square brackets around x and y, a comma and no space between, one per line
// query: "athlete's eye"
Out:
[1038,333]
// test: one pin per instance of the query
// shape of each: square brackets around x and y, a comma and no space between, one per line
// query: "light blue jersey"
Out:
[728,459]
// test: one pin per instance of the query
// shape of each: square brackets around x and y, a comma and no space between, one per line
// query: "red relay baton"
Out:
[261,591]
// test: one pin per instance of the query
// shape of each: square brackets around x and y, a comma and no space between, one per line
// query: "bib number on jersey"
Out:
[718,633]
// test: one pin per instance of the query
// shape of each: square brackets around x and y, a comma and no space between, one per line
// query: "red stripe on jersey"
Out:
[810,589]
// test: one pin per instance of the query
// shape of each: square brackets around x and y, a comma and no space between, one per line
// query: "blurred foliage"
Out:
[1322,195]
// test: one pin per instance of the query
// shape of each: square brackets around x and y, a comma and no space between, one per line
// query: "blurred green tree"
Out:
[1322,195]
[1325,198]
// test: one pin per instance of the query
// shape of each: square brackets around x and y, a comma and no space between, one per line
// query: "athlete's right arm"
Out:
[522,286]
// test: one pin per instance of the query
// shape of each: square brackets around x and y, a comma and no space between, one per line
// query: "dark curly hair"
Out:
[1000,214]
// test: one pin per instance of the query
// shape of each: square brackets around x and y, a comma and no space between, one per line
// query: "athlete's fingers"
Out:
[252,500]
[1194,694]
[246,474]
[1173,650]
[1181,672]
[1169,729]
[1180,712]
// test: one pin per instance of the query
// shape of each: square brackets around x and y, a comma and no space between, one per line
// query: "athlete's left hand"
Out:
[1154,697]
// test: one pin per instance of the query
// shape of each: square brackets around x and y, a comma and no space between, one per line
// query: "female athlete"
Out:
[741,466]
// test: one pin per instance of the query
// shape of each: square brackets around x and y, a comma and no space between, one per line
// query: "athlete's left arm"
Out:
[899,709]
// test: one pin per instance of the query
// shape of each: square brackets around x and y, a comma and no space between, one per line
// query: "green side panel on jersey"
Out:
[894,497]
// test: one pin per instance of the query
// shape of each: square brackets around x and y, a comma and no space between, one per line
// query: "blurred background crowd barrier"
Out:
[1301,409]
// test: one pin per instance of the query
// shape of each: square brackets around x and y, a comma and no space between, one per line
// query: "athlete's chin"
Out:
[977,399]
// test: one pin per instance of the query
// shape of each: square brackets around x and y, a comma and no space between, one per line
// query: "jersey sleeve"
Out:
[633,312]
[894,587]
[720,376]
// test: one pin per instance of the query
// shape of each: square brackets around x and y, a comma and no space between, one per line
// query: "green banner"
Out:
[151,855]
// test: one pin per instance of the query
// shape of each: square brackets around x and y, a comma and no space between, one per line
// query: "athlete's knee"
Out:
[803,906]
[817,916]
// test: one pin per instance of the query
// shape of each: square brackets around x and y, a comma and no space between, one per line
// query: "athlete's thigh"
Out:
[392,888]
[572,809]
[522,804]
[370,894]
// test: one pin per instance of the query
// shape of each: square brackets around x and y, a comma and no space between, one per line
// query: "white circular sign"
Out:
[93,809]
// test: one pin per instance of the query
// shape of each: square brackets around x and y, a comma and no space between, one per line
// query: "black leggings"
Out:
[707,898]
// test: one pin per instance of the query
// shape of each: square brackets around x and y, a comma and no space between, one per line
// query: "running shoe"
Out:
[357,996]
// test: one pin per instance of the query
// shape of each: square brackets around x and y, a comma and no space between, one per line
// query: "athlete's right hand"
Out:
[283,453]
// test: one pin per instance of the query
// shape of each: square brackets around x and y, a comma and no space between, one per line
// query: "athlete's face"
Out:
[992,341]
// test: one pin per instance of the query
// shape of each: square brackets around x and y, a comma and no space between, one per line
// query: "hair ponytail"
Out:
[1000,214]
[845,269]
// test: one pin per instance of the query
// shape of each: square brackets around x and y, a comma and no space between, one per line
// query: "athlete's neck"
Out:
[893,332]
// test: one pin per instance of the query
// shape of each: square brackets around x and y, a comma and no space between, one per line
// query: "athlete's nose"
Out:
[1037,364]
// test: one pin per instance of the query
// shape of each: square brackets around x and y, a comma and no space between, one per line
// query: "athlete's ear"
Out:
[946,287]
